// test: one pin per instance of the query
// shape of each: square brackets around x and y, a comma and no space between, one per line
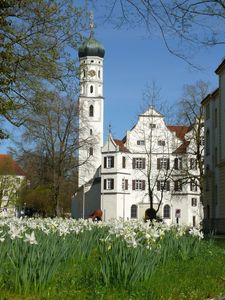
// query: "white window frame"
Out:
[194,202]
[163,163]
[109,184]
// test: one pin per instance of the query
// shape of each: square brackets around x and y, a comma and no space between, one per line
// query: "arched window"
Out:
[91,151]
[91,111]
[133,212]
[91,131]
[91,89]
[166,212]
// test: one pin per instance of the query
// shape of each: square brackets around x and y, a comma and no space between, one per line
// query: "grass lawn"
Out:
[197,278]
[174,266]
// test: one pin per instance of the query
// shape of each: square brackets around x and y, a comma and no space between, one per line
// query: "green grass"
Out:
[79,277]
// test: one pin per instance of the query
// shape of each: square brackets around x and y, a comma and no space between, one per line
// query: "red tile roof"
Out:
[182,148]
[8,166]
[180,130]
[120,143]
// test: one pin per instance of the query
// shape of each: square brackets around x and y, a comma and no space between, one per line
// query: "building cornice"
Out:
[221,67]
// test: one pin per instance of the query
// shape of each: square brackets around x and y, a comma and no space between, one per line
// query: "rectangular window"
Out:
[139,163]
[141,142]
[163,185]
[109,162]
[163,163]
[178,185]
[193,186]
[202,140]
[151,125]
[178,163]
[161,143]
[123,162]
[216,118]
[207,111]
[124,184]
[193,201]
[138,185]
[109,184]
[193,164]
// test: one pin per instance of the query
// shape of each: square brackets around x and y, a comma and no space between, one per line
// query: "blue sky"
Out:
[131,62]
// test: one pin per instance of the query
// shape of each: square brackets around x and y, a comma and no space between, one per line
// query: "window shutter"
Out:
[175,185]
[133,184]
[158,163]
[112,162]
[105,162]
[176,163]
[133,163]
[112,186]
[143,163]
[168,163]
[158,185]
[168,185]
[143,185]
[104,184]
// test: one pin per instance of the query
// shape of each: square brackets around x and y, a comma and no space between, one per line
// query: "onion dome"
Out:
[91,47]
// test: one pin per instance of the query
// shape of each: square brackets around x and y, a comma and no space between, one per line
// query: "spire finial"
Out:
[92,26]
[110,128]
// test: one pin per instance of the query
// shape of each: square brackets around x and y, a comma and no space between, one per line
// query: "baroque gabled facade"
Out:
[152,160]
[151,166]
[214,188]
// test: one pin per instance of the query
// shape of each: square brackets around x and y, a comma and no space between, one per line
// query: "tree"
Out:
[183,25]
[37,42]
[191,114]
[50,145]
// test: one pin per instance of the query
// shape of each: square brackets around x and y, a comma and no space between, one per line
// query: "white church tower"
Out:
[91,108]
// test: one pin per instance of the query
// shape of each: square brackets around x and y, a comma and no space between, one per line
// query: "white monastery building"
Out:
[11,179]
[151,162]
[214,190]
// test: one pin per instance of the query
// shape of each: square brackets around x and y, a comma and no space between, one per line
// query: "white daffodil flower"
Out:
[30,238]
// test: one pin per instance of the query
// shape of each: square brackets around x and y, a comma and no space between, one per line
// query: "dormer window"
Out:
[161,143]
[140,142]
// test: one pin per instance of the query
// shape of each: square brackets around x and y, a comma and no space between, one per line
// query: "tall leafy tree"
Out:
[37,39]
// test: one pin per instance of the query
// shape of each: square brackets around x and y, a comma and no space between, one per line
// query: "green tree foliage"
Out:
[37,39]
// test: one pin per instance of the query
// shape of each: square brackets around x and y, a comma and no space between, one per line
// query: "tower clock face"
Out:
[92,73]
